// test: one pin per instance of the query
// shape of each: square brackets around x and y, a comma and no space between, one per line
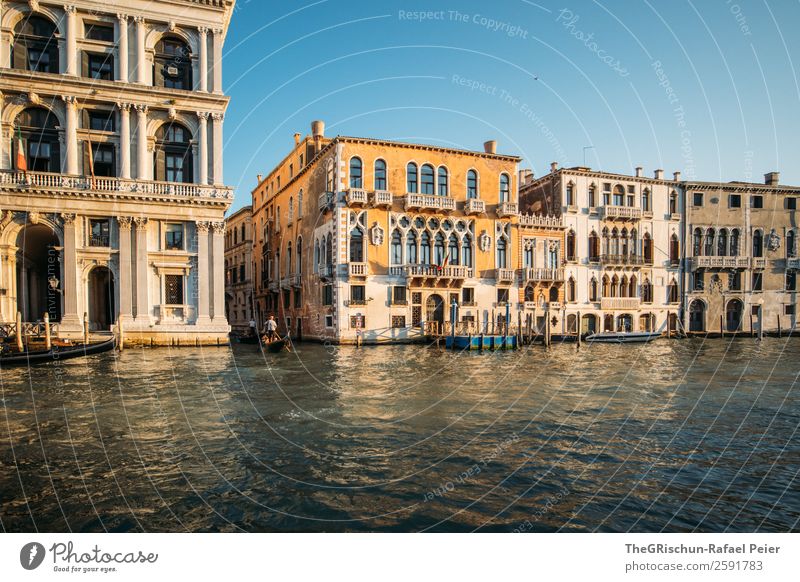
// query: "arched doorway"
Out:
[608,322]
[588,324]
[434,308]
[101,299]
[697,316]
[647,322]
[733,315]
[39,280]
[625,323]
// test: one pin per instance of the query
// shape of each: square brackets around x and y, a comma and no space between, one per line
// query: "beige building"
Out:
[239,269]
[116,108]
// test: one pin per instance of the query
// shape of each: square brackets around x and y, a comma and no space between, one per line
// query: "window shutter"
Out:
[87,168]
[161,164]
[19,55]
[85,63]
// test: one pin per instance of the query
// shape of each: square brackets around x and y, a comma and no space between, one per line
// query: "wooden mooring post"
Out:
[721,326]
[778,317]
[578,329]
[48,343]
[20,344]
[85,328]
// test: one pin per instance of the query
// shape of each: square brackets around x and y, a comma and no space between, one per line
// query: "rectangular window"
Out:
[105,160]
[173,289]
[398,321]
[788,309]
[754,310]
[735,281]
[96,31]
[468,296]
[174,165]
[416,315]
[697,199]
[100,67]
[298,298]
[735,201]
[101,120]
[502,296]
[757,201]
[791,280]
[99,233]
[757,281]
[291,170]
[328,321]
[399,296]
[287,299]
[173,236]
[327,295]
[791,204]
[698,281]
[357,294]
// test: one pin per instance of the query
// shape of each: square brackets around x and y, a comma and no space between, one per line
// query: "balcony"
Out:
[295,280]
[274,286]
[793,263]
[504,275]
[621,213]
[46,182]
[541,275]
[355,196]
[572,208]
[382,198]
[433,272]
[474,206]
[554,306]
[507,209]
[358,269]
[325,201]
[617,303]
[355,302]
[286,283]
[429,202]
[168,314]
[541,221]
[758,263]
[720,263]
[622,260]
[675,216]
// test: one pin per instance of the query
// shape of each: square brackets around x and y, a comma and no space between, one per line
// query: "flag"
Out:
[22,163]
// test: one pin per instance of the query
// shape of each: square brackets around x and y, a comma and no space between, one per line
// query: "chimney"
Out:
[676,176]
[659,174]
[260,177]
[296,139]
[490,147]
[639,170]
[772,179]
[553,166]
[525,176]
[318,129]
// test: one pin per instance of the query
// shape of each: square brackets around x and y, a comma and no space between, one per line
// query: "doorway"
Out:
[101,299]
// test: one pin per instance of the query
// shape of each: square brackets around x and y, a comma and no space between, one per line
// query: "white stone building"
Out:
[118,108]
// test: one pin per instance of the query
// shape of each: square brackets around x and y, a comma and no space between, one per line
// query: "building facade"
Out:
[741,241]
[239,269]
[116,108]
[375,240]
[621,268]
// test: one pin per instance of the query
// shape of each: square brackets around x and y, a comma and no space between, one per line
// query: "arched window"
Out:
[646,200]
[397,247]
[411,247]
[356,246]
[734,242]
[594,247]
[412,178]
[527,254]
[329,250]
[300,204]
[172,64]
[380,176]
[672,291]
[606,242]
[427,179]
[674,250]
[619,195]
[316,257]
[472,184]
[615,242]
[505,188]
[632,287]
[173,154]
[647,248]
[697,242]
[39,130]
[570,194]
[452,249]
[425,249]
[443,181]
[329,185]
[571,245]
[552,257]
[291,210]
[791,245]
[35,46]
[529,294]
[438,249]
[593,290]
[758,244]
[571,296]
[606,286]
[647,291]
[289,257]
[709,247]
[299,262]
[623,286]
[356,173]
[466,251]
[673,202]
[592,196]
[502,253]
[722,242]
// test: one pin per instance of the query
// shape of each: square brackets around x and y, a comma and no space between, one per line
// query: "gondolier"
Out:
[271,329]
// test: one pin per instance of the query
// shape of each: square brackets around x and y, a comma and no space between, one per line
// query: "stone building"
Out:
[741,243]
[239,269]
[378,238]
[116,108]
[621,268]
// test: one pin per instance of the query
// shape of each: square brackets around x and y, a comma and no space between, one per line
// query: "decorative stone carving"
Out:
[124,222]
[123,18]
[773,241]
[203,227]
[219,227]
[67,218]
[141,222]
[484,242]
[218,117]
[203,115]
[172,113]
[529,244]
[376,234]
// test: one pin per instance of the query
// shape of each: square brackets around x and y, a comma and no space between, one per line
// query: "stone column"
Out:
[203,275]
[142,283]
[125,274]
[72,45]
[203,33]
[202,139]
[142,170]
[2,102]
[141,67]
[122,23]
[71,321]
[4,45]
[218,262]
[217,88]
[217,129]
[71,134]
[124,140]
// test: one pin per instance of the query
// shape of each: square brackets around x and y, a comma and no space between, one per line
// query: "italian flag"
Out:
[22,163]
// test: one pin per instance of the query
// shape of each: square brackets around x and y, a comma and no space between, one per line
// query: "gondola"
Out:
[623,337]
[57,353]
[277,346]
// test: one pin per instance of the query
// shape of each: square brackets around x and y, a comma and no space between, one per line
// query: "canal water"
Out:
[686,435]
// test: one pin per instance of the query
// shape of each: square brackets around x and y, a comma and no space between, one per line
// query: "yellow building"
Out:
[375,238]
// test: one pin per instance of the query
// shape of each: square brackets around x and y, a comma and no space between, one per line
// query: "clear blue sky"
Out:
[724,103]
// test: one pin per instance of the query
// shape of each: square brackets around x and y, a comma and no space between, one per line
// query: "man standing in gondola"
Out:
[271,328]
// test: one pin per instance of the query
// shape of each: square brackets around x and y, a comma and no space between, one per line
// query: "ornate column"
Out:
[141,68]
[217,88]
[71,318]
[2,102]
[217,129]
[122,24]
[71,134]
[203,32]
[142,283]
[72,46]
[142,169]
[202,139]
[203,275]
[124,140]
[218,262]
[4,45]
[125,274]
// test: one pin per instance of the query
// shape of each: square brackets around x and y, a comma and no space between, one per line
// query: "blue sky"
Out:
[705,87]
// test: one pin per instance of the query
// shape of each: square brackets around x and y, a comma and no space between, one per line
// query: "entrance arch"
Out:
[697,316]
[733,315]
[39,280]
[434,309]
[625,323]
[588,324]
[102,309]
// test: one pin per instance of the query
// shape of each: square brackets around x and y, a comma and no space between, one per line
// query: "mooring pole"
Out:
[20,345]
[453,315]
[47,339]
[85,328]
[121,335]
[778,317]
[578,328]
[760,322]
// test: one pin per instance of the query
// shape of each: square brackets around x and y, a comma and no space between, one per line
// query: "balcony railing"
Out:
[622,260]
[47,181]
[720,262]
[325,201]
[507,209]
[429,202]
[432,271]
[358,269]
[622,213]
[541,221]
[382,198]
[474,206]
[356,196]
[535,275]
[758,263]
[555,306]
[295,280]
[506,275]
[355,302]
[620,303]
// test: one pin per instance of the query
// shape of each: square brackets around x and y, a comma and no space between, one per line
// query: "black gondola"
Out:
[277,345]
[57,353]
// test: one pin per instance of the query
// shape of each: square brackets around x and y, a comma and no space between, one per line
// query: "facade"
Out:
[621,267]
[741,241]
[239,269]
[116,108]
[374,240]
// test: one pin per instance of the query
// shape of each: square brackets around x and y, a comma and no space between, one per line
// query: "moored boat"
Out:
[623,337]
[57,353]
